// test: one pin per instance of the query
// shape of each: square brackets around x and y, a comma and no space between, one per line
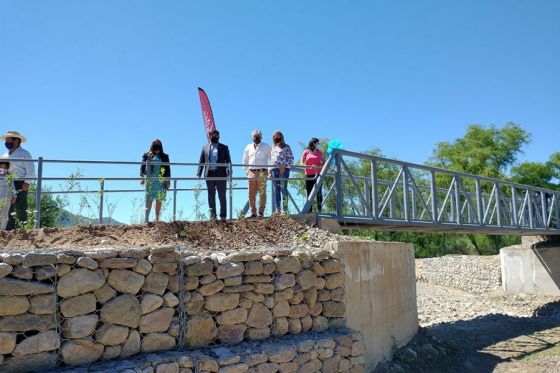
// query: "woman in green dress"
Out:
[155,176]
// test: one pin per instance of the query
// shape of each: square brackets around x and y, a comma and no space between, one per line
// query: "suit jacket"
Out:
[164,159]
[223,157]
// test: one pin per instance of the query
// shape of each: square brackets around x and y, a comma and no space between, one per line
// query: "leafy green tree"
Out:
[51,209]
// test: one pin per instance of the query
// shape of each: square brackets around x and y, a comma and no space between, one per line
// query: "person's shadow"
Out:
[484,342]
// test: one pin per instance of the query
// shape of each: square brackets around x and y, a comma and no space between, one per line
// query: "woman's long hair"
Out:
[282,143]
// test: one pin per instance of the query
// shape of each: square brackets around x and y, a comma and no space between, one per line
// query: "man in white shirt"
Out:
[256,158]
[23,172]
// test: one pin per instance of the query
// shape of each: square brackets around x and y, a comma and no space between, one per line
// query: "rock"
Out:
[238,289]
[208,279]
[332,266]
[330,365]
[334,281]
[167,368]
[201,330]
[143,267]
[80,305]
[10,286]
[123,310]
[235,368]
[229,269]
[284,295]
[226,357]
[45,273]
[132,344]
[288,264]
[235,316]
[195,304]
[337,294]
[111,335]
[212,288]
[150,302]
[125,281]
[171,256]
[297,298]
[256,334]
[281,309]
[244,256]
[193,259]
[320,324]
[358,348]
[221,302]
[203,268]
[5,269]
[231,333]
[38,259]
[314,365]
[316,309]
[119,263]
[257,278]
[12,259]
[306,323]
[23,273]
[290,367]
[233,281]
[269,268]
[10,305]
[65,258]
[86,262]
[269,302]
[157,342]
[253,268]
[157,321]
[294,326]
[79,281]
[81,351]
[310,296]
[298,311]
[111,352]
[43,361]
[105,294]
[42,342]
[173,284]
[259,316]
[320,284]
[191,283]
[280,352]
[80,326]
[63,269]
[186,362]
[306,279]
[206,364]
[284,281]
[334,309]
[323,295]
[169,268]
[318,269]
[264,288]
[27,322]
[7,343]
[254,359]
[267,368]
[156,283]
[280,326]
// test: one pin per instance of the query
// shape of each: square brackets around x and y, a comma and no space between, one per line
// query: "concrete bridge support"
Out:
[532,267]
[380,289]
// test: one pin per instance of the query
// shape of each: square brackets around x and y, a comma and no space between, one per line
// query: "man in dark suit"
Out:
[215,153]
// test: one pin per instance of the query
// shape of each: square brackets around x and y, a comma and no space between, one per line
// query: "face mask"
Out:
[276,140]
[3,171]
[312,148]
[214,140]
[257,140]
[9,145]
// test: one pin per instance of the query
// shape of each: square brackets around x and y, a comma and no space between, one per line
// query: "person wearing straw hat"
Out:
[23,171]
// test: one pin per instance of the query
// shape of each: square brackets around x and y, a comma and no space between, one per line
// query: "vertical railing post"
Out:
[338,185]
[479,208]
[543,210]
[101,198]
[434,196]
[175,200]
[367,194]
[230,185]
[146,182]
[458,199]
[515,219]
[374,190]
[405,192]
[498,205]
[38,193]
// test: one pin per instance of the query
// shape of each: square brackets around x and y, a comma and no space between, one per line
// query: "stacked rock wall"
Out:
[475,274]
[78,307]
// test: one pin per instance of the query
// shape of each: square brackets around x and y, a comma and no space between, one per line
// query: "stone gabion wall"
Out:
[475,274]
[78,307]
[338,351]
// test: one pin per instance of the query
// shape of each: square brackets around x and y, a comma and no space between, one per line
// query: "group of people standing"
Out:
[261,162]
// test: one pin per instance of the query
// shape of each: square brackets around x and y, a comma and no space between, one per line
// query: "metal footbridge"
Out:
[359,190]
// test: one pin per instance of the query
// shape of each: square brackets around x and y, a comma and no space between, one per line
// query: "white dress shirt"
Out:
[258,155]
[21,169]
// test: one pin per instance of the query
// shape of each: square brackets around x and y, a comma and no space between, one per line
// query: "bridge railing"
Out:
[397,194]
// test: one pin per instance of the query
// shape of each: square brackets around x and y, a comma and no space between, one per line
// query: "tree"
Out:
[51,208]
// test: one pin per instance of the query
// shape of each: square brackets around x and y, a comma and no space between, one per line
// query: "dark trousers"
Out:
[213,186]
[20,207]
[309,184]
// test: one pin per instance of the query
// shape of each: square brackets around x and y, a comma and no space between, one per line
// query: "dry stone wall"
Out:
[78,307]
[475,274]
[337,351]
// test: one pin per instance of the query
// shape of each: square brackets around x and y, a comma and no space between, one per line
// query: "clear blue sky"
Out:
[101,79]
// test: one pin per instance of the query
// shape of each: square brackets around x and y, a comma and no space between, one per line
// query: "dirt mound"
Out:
[277,231]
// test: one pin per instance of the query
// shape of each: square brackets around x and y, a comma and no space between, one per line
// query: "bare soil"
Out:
[229,235]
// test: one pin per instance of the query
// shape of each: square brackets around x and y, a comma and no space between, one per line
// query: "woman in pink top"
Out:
[312,157]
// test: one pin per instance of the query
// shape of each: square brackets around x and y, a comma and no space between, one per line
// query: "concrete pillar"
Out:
[380,295]
[531,268]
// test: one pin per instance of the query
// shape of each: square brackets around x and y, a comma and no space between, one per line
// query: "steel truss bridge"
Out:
[395,195]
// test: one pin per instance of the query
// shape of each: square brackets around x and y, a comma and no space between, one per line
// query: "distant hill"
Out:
[68,219]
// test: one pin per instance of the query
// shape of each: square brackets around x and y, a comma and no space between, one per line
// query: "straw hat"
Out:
[14,134]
